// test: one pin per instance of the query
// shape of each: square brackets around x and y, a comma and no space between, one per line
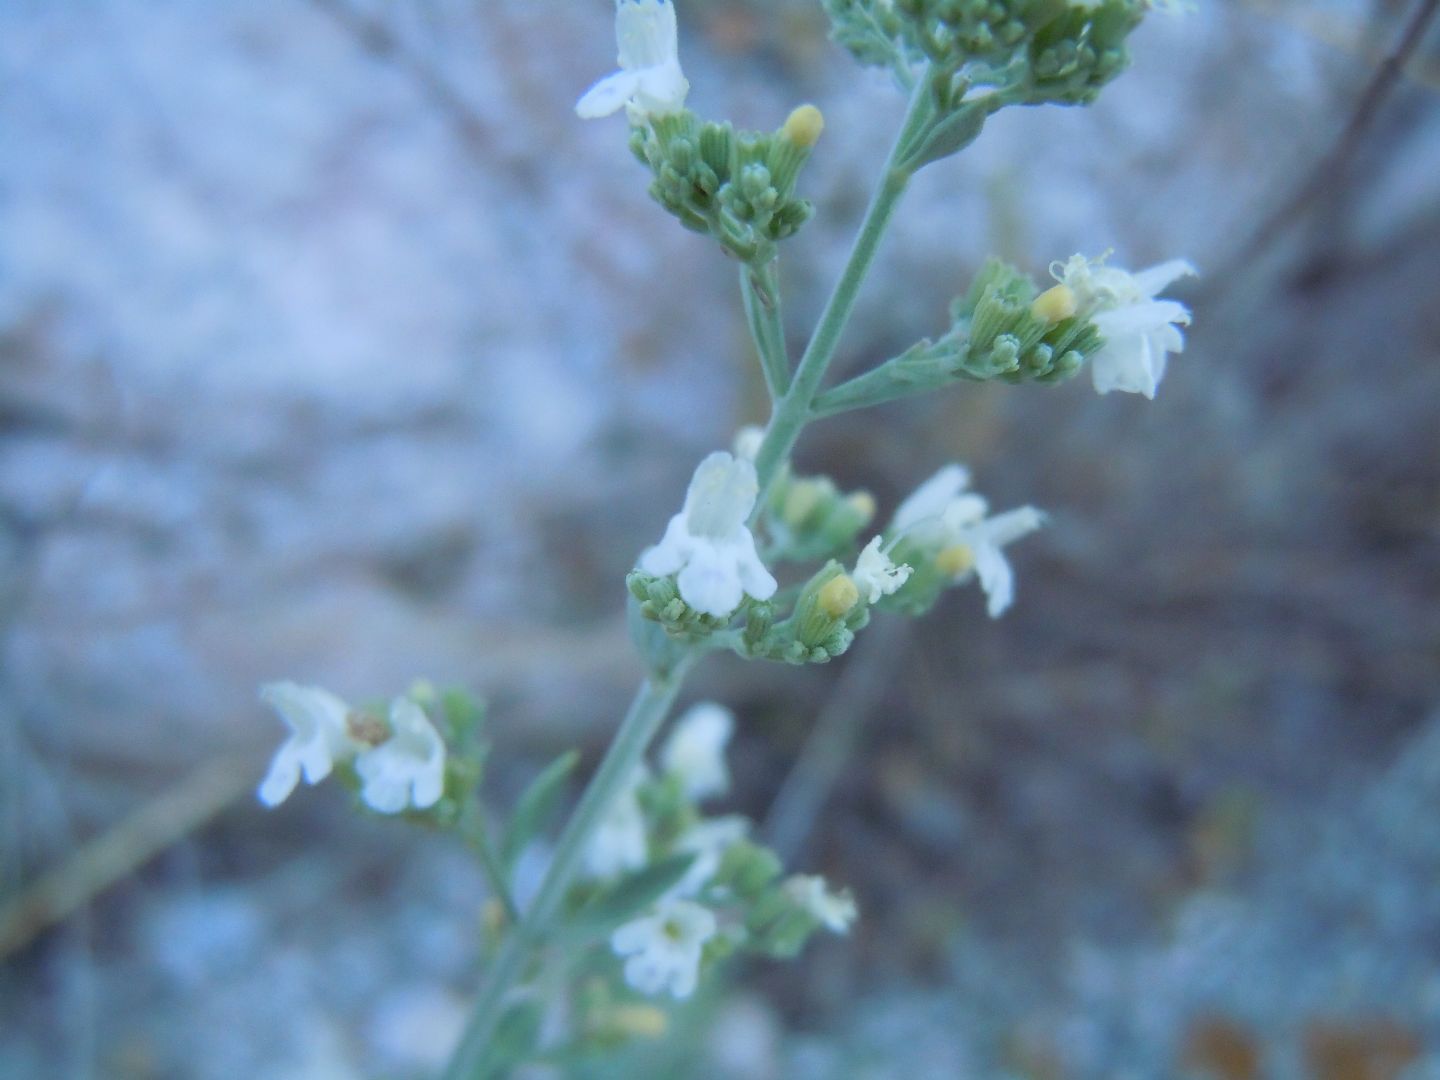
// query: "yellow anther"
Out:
[955,561]
[639,1021]
[803,126]
[800,502]
[1055,304]
[837,596]
[863,503]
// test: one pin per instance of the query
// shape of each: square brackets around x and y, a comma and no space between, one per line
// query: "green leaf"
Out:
[537,805]
[631,894]
[950,135]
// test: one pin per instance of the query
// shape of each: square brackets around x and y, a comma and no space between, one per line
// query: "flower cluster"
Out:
[399,764]
[948,533]
[1138,327]
[708,545]
[723,895]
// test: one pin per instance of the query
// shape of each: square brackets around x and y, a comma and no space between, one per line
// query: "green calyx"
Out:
[1002,337]
[827,615]
[736,186]
[658,601]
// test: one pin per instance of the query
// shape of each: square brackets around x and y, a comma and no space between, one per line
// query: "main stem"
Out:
[792,411]
[760,292]
[647,712]
[652,704]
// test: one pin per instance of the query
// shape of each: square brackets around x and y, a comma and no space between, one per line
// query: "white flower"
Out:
[695,750]
[875,575]
[1139,329]
[619,842]
[649,81]
[834,911]
[319,738]
[748,441]
[664,947]
[708,543]
[408,768]
[921,516]
[944,517]
[707,841]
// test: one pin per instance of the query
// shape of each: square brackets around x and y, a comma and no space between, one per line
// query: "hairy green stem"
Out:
[647,712]
[760,289]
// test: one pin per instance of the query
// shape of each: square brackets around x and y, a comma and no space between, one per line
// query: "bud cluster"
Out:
[1052,50]
[827,615]
[809,517]
[737,186]
[1010,333]
[660,601]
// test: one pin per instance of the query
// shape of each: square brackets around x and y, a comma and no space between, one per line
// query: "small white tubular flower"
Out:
[318,738]
[707,841]
[695,751]
[834,911]
[649,81]
[986,540]
[665,946]
[921,515]
[408,768]
[875,575]
[619,843]
[954,523]
[1139,329]
[708,544]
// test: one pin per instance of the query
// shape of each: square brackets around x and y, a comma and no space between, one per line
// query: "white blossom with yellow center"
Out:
[663,948]
[1140,329]
[955,524]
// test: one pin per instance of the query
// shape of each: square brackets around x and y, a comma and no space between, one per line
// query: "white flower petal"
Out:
[408,769]
[721,495]
[319,737]
[282,778]
[695,750]
[661,90]
[755,579]
[931,498]
[710,582]
[1012,525]
[649,82]
[708,545]
[646,33]
[996,578]
[608,96]
[1152,281]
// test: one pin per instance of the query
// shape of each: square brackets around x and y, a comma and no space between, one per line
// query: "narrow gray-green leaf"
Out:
[537,805]
[631,895]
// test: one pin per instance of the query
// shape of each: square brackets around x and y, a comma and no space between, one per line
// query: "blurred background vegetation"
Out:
[332,346]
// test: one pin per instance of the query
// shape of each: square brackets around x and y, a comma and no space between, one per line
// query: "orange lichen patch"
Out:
[1220,1048]
[1377,1050]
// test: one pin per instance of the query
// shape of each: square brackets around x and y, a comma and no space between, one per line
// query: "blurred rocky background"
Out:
[332,346]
